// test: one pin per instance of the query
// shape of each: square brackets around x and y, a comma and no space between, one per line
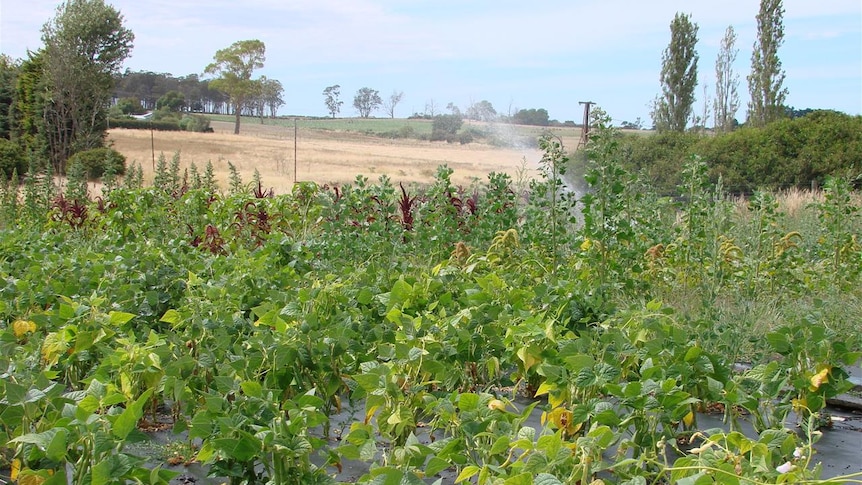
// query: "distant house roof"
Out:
[146,116]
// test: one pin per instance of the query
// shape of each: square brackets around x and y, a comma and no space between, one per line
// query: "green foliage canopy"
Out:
[366,101]
[787,153]
[85,44]
[234,67]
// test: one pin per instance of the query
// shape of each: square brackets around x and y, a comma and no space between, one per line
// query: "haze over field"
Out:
[516,55]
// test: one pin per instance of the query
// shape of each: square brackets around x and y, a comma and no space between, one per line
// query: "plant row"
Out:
[416,329]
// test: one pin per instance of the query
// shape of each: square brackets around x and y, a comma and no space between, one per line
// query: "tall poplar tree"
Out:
[673,107]
[765,83]
[726,101]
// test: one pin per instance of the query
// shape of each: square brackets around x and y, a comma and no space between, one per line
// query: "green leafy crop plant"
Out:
[481,334]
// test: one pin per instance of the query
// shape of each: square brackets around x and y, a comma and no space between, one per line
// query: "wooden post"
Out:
[585,131]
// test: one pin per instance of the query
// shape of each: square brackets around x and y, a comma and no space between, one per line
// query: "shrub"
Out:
[784,154]
[196,123]
[97,160]
[11,159]
[465,137]
[445,127]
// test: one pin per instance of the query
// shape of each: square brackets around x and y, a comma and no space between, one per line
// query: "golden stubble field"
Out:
[321,156]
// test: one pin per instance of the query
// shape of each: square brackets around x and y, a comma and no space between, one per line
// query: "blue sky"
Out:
[516,54]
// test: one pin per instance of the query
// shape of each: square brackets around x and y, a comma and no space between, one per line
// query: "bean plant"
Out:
[433,334]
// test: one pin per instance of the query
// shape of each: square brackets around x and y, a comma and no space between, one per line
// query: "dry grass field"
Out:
[322,156]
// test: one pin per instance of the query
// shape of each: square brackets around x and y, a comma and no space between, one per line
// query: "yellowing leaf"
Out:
[16,467]
[544,388]
[467,473]
[369,413]
[688,419]
[556,400]
[27,477]
[496,405]
[820,378]
[562,419]
[22,327]
[53,347]
[528,357]
[586,245]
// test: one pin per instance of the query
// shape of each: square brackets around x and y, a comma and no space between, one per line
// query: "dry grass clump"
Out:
[793,201]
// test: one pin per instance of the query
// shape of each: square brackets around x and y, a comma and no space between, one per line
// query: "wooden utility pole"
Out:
[585,131]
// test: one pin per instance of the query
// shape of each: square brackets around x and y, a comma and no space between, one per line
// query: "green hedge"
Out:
[784,154]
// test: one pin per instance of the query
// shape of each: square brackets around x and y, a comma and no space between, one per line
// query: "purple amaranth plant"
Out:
[253,219]
[211,240]
[259,193]
[72,212]
[406,204]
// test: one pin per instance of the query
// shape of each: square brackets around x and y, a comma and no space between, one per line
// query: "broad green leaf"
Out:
[577,362]
[202,426]
[349,451]
[527,433]
[468,401]
[500,445]
[15,393]
[42,440]
[654,305]
[368,451]
[693,479]
[603,436]
[364,296]
[56,449]
[520,479]
[171,317]
[436,465]
[467,473]
[128,419]
[206,452]
[779,342]
[400,293]
[693,353]
[252,389]
[546,479]
[119,318]
[110,469]
[241,448]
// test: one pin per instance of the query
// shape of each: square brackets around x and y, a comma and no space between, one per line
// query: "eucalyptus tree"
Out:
[273,96]
[765,83]
[330,96]
[390,103]
[673,107]
[366,101]
[85,44]
[233,67]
